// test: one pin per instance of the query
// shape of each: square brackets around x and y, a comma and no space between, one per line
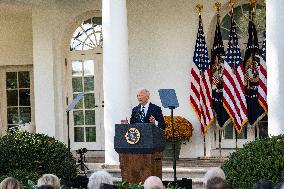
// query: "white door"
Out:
[86,120]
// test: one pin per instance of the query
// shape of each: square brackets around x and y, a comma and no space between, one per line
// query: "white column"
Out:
[115,71]
[275,66]
[43,57]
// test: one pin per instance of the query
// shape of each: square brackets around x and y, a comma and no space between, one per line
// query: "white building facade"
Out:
[52,50]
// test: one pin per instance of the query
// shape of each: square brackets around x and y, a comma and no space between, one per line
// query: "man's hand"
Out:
[152,119]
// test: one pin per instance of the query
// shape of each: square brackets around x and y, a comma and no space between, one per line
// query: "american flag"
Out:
[200,93]
[233,82]
[217,66]
[262,88]
[251,65]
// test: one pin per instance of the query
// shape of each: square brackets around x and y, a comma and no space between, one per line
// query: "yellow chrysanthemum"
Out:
[182,128]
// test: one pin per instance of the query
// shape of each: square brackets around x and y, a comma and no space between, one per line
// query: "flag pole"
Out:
[217,6]
[199,8]
[236,137]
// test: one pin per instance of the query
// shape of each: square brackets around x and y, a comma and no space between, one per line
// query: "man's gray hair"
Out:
[216,183]
[145,91]
[153,182]
[98,178]
[214,172]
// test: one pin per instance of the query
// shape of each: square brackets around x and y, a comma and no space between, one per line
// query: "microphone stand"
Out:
[173,142]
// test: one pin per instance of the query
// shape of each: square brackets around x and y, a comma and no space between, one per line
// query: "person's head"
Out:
[214,172]
[143,96]
[263,184]
[49,179]
[153,182]
[99,178]
[45,187]
[10,183]
[279,185]
[216,183]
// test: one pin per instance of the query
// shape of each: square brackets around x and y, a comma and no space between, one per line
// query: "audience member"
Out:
[213,172]
[10,183]
[45,187]
[216,183]
[98,178]
[279,185]
[153,182]
[49,179]
[263,184]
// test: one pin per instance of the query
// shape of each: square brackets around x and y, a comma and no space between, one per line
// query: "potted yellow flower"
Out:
[182,132]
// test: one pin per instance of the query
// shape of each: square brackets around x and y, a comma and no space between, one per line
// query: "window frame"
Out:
[3,95]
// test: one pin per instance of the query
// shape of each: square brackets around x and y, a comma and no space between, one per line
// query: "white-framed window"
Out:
[84,74]
[17,96]
[88,35]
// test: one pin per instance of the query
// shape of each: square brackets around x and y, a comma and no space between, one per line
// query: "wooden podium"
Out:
[140,149]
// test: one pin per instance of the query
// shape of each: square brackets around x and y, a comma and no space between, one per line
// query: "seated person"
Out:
[99,178]
[49,179]
[153,182]
[10,183]
[216,183]
[213,172]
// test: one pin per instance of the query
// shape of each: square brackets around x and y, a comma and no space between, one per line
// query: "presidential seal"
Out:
[132,135]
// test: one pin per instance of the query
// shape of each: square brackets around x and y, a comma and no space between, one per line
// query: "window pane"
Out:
[89,68]
[25,115]
[77,69]
[79,134]
[89,100]
[12,116]
[90,117]
[11,80]
[78,117]
[77,84]
[243,134]
[228,132]
[11,127]
[12,98]
[84,35]
[89,84]
[24,97]
[79,105]
[24,80]
[90,134]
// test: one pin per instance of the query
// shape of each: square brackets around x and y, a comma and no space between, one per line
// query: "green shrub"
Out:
[23,176]
[260,159]
[126,185]
[34,153]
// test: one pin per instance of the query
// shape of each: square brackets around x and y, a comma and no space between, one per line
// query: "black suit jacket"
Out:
[153,110]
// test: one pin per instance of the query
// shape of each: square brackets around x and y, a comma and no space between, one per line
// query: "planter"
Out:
[168,151]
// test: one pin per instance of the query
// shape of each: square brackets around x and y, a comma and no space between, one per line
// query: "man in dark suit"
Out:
[146,112]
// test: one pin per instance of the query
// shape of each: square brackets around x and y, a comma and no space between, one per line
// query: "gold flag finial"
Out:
[217,6]
[253,7]
[232,4]
[199,8]
[253,3]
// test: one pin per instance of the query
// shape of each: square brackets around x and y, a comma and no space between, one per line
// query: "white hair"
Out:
[143,90]
[49,179]
[214,172]
[98,178]
[153,182]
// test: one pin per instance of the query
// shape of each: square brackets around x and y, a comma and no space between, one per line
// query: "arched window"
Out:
[241,15]
[88,35]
